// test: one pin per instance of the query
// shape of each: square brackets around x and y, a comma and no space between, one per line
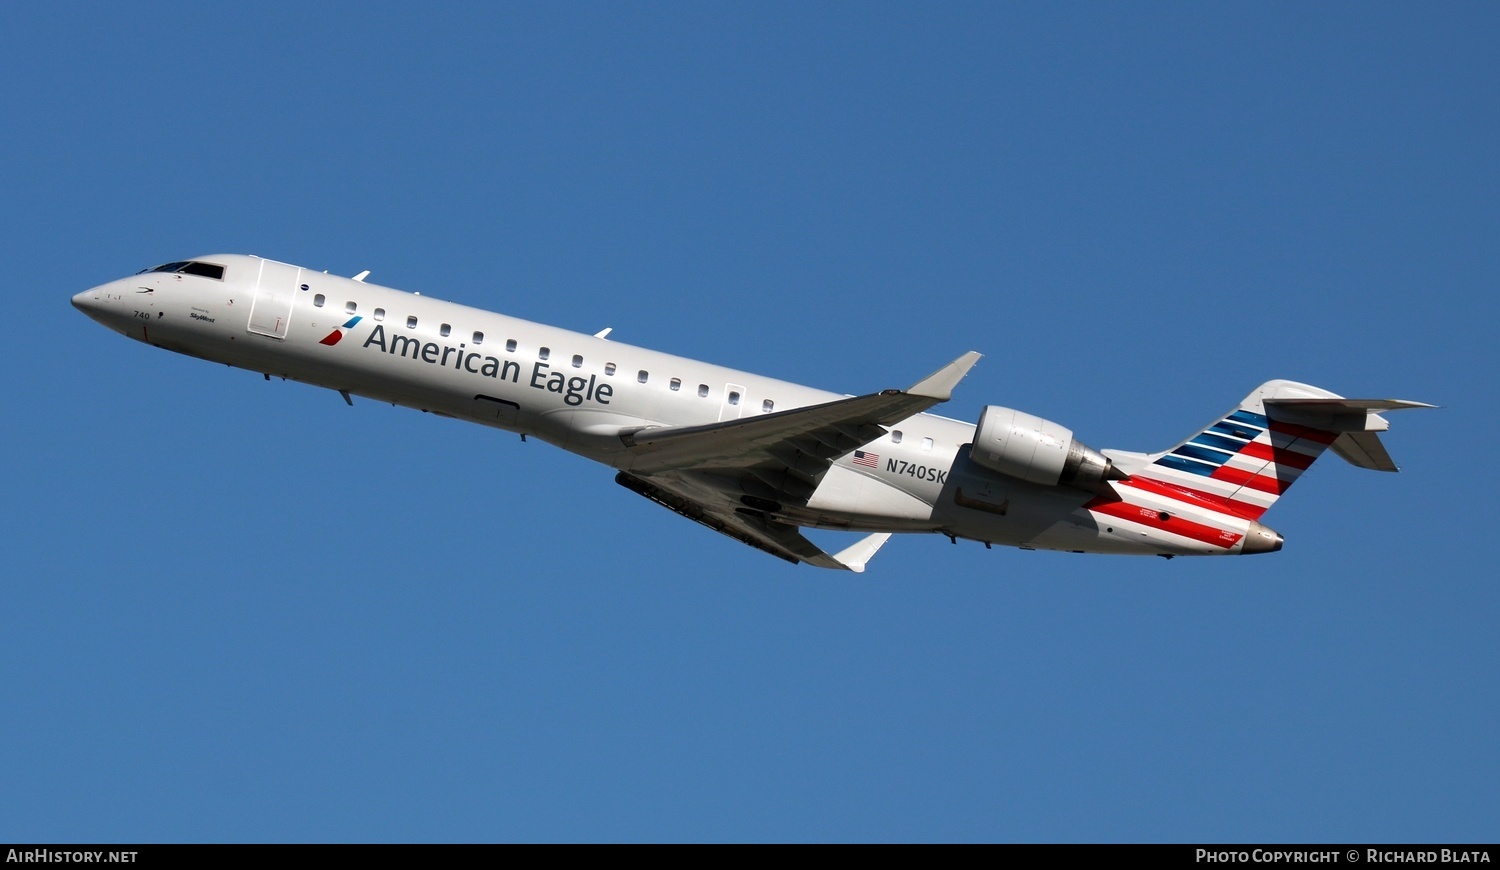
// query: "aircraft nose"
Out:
[95,303]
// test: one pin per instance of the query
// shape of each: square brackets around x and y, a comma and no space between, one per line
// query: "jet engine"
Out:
[1038,451]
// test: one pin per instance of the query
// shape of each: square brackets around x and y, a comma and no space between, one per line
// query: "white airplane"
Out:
[753,457]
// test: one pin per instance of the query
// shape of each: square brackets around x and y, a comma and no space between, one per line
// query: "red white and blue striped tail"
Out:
[1243,461]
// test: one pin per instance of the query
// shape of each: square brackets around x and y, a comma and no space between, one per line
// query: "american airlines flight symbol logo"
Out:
[337,335]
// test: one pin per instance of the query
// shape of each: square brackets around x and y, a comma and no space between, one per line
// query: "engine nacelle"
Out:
[1038,451]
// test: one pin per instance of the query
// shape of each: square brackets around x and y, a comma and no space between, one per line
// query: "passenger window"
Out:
[703,391]
[411,322]
[641,376]
[318,301]
[676,383]
[609,369]
[895,436]
[577,361]
[510,345]
[444,330]
[926,443]
[479,338]
[380,314]
[350,307]
[767,406]
[544,353]
[734,398]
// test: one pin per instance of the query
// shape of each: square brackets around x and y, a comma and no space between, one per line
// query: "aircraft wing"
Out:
[754,528]
[734,476]
[787,452]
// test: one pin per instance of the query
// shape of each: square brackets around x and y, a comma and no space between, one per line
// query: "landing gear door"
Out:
[271,311]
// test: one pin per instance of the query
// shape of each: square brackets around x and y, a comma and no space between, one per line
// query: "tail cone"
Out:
[1260,540]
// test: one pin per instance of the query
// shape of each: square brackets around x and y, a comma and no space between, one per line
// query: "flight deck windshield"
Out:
[189,267]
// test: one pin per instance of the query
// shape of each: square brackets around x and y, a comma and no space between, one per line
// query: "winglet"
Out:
[939,385]
[856,557]
[362,276]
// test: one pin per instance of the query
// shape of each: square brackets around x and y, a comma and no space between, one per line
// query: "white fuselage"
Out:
[580,392]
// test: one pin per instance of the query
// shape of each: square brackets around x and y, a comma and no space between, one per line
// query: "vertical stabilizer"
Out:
[1245,460]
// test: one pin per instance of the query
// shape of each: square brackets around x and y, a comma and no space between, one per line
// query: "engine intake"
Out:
[1038,451]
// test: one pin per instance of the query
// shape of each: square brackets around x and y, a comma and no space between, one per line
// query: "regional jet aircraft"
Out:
[748,456]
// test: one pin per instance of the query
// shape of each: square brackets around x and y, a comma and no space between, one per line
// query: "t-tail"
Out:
[1246,459]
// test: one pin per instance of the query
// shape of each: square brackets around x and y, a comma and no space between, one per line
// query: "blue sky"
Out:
[238,610]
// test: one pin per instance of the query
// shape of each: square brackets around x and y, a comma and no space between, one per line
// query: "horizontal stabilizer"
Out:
[1338,415]
[1356,420]
[1344,406]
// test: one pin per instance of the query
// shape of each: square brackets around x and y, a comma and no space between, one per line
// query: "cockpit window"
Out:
[206,270]
[189,267]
